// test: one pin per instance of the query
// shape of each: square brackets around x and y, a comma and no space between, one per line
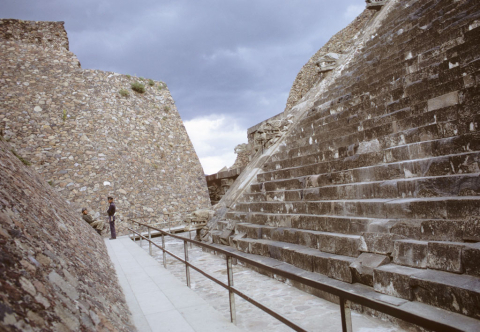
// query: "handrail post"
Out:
[149,241]
[187,268]
[231,294]
[164,253]
[346,315]
[140,234]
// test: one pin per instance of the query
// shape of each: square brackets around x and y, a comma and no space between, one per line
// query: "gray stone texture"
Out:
[380,163]
[87,139]
[55,272]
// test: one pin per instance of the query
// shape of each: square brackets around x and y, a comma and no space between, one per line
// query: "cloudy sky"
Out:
[228,64]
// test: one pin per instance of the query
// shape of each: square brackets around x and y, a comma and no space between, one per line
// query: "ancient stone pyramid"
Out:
[377,182]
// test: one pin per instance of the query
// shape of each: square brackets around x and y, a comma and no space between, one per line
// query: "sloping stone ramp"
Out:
[158,300]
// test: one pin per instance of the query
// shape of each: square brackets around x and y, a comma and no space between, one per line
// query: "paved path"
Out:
[158,300]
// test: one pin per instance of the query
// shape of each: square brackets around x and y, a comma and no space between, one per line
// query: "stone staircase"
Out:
[379,184]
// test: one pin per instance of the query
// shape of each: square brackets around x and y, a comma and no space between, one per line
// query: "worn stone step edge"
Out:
[416,163]
[448,318]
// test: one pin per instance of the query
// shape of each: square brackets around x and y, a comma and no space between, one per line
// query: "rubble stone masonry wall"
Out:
[55,274]
[85,138]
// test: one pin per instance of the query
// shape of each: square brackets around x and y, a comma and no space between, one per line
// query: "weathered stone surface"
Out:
[88,140]
[449,291]
[380,243]
[445,256]
[393,280]
[339,43]
[410,253]
[445,100]
[471,259]
[54,268]
[384,148]
[364,265]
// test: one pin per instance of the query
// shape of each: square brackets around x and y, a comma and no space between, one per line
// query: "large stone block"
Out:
[457,293]
[379,243]
[339,268]
[471,259]
[393,280]
[448,99]
[445,256]
[410,253]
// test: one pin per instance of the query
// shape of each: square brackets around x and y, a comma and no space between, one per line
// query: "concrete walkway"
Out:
[157,300]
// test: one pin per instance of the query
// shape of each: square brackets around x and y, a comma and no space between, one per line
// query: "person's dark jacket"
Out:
[88,218]
[111,209]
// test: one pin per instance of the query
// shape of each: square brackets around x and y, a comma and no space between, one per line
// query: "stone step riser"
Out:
[423,230]
[428,67]
[453,148]
[456,293]
[468,184]
[455,257]
[339,244]
[426,149]
[435,167]
[355,142]
[333,266]
[445,119]
[402,119]
[325,174]
[462,208]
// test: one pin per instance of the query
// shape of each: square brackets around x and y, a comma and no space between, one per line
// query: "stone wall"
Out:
[55,274]
[86,138]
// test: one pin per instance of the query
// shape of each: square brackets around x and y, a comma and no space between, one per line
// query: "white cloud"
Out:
[353,11]
[214,137]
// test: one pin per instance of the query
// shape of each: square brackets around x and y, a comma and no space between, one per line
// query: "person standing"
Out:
[111,218]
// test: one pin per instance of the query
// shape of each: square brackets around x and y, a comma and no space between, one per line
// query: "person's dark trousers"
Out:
[111,220]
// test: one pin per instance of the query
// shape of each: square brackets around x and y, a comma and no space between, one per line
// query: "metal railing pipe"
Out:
[346,297]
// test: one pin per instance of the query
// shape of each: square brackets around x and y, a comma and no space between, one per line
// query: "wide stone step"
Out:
[334,243]
[331,265]
[353,130]
[449,291]
[323,223]
[380,233]
[449,318]
[465,208]
[435,168]
[417,208]
[376,154]
[456,257]
[398,113]
[450,185]
[464,149]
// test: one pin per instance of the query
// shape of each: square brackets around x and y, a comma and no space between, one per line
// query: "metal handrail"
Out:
[345,297]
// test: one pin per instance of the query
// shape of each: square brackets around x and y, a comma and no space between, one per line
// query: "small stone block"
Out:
[445,100]
[471,259]
[393,280]
[410,253]
[445,256]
